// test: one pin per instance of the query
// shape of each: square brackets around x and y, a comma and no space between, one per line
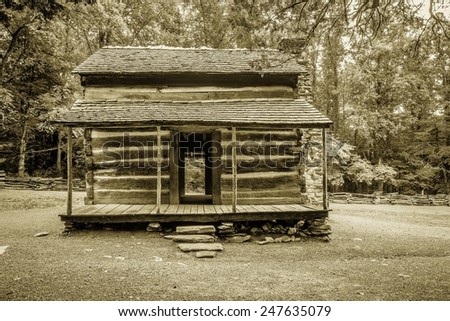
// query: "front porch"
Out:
[127,213]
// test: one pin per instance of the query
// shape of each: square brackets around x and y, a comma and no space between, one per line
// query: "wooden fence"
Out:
[392,198]
[42,184]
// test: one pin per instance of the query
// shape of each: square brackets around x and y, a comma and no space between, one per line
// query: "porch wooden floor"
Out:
[125,213]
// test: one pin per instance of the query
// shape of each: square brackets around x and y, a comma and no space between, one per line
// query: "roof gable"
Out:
[168,60]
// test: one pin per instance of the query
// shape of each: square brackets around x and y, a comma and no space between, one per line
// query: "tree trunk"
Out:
[22,151]
[335,112]
[333,52]
[58,155]
[446,88]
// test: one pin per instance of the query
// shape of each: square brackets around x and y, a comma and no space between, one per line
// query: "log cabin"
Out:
[197,135]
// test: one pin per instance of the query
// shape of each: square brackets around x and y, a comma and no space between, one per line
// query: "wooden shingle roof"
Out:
[263,113]
[167,60]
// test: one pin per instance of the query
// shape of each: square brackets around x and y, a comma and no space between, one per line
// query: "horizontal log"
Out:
[259,169]
[253,144]
[129,196]
[261,181]
[133,171]
[261,148]
[266,200]
[266,175]
[286,192]
[131,140]
[113,94]
[130,182]
[108,153]
[250,94]
[118,131]
[96,93]
[186,93]
[260,135]
[257,163]
[128,200]
[145,163]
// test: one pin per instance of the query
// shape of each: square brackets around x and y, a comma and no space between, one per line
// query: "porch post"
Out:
[69,171]
[158,169]
[174,164]
[234,169]
[324,164]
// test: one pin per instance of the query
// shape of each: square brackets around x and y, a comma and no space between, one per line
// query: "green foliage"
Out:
[392,103]
[348,166]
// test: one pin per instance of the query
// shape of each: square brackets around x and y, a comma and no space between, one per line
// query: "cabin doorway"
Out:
[195,172]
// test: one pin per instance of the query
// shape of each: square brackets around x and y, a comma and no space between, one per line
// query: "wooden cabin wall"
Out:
[186,93]
[269,167]
[274,167]
[122,165]
[282,168]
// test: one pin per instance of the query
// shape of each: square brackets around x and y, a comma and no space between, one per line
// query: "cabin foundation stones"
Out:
[154,227]
[205,241]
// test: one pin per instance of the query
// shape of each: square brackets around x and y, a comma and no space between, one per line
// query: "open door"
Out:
[195,168]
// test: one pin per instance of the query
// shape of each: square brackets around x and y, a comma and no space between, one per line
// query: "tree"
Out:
[31,69]
[157,22]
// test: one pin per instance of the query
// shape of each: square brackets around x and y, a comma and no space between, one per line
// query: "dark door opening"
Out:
[194,168]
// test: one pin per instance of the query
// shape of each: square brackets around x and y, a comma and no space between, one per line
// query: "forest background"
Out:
[380,69]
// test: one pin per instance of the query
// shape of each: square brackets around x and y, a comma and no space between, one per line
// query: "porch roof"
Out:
[262,113]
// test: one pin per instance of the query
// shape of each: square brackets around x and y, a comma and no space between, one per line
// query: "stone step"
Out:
[194,247]
[188,238]
[205,254]
[196,229]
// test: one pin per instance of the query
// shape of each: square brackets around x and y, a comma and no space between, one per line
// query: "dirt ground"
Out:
[377,252]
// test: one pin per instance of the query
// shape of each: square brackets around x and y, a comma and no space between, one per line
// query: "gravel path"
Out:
[377,252]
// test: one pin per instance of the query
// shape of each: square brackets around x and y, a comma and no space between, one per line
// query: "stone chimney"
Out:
[292,45]
[297,46]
